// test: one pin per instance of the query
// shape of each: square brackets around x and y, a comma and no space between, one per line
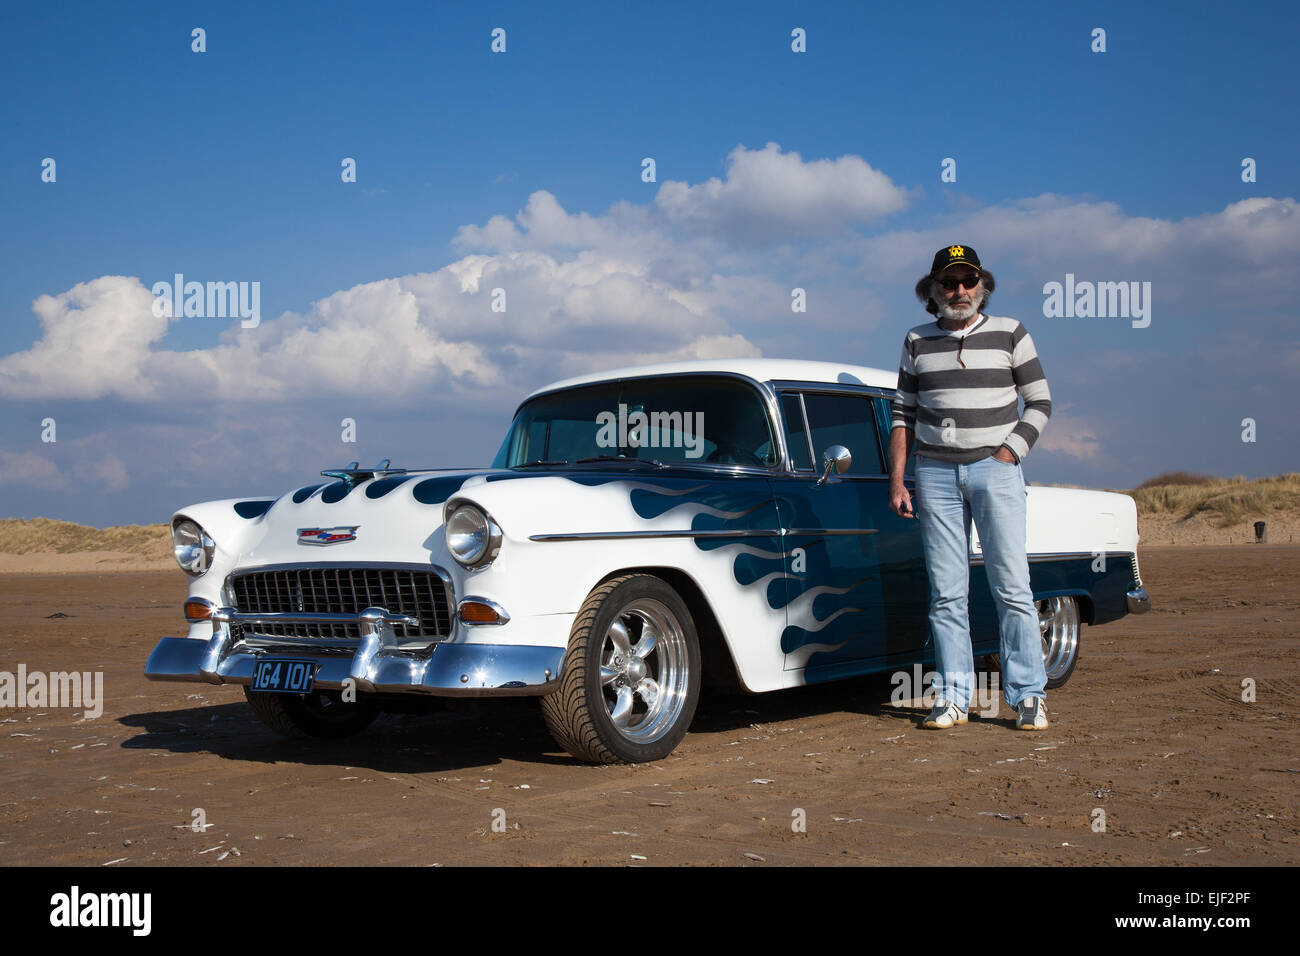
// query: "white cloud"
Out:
[94,338]
[395,339]
[770,195]
[28,468]
[544,224]
[767,196]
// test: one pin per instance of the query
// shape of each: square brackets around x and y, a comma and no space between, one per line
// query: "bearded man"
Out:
[959,381]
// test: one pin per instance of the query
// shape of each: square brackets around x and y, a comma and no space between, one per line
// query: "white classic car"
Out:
[641,533]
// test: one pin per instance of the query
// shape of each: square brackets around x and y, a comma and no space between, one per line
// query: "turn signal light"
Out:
[476,612]
[198,610]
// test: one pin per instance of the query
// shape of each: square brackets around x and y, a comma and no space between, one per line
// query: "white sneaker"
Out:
[943,716]
[1031,714]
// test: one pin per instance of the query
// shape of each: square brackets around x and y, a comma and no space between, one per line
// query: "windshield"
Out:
[672,419]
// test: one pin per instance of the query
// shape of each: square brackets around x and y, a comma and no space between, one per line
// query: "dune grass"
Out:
[1221,501]
[45,535]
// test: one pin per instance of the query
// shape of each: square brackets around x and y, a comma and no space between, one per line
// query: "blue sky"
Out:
[523,170]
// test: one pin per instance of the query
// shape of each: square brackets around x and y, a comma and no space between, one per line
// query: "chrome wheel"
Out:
[644,670]
[1058,623]
[631,675]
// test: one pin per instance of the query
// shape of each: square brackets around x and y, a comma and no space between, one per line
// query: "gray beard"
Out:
[959,315]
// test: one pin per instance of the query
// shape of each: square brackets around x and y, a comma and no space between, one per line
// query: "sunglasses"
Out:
[952,285]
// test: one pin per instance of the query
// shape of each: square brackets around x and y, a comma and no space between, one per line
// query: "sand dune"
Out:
[46,546]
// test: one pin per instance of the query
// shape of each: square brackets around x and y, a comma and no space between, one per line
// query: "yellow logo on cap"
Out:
[956,252]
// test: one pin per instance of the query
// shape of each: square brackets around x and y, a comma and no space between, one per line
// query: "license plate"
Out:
[283,676]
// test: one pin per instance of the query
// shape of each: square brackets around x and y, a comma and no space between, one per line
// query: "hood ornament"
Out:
[353,475]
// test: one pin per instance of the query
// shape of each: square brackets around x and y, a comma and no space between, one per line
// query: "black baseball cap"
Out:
[954,255]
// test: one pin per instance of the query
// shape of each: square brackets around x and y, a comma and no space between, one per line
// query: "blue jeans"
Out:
[993,494]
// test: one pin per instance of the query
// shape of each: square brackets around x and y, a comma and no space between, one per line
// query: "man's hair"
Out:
[925,285]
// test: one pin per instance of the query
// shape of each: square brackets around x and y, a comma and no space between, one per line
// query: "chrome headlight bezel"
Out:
[473,538]
[192,547]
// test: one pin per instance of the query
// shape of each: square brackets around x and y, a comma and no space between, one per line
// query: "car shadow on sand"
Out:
[868,696]
[483,733]
[470,736]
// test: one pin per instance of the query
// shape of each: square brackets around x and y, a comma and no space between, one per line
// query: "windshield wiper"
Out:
[652,462]
[540,462]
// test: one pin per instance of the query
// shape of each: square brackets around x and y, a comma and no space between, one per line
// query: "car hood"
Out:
[388,518]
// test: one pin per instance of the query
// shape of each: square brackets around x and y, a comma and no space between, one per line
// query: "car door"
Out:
[855,572]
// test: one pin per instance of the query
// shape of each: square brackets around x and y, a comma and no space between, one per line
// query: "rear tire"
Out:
[1058,620]
[321,714]
[1058,623]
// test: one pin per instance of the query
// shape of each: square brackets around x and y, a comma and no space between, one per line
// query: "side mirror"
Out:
[837,457]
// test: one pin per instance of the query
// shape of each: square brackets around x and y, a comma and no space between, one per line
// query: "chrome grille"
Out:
[422,593]
[1137,575]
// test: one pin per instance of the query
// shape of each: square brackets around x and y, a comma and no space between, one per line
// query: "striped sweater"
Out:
[964,414]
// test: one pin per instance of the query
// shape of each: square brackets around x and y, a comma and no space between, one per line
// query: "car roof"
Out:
[759,369]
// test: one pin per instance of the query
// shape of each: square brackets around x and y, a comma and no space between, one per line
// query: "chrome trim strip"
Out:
[370,615]
[299,565]
[845,388]
[741,533]
[1056,556]
[274,644]
[832,530]
[610,535]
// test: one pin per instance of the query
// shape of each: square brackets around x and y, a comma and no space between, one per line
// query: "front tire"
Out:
[321,714]
[631,674]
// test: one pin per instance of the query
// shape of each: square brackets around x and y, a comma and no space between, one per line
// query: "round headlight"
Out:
[472,537]
[192,547]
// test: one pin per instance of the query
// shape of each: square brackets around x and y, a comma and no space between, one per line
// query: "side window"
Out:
[885,418]
[796,435]
[848,420]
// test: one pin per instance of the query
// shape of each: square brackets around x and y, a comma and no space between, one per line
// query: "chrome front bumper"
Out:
[379,664]
[1138,602]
